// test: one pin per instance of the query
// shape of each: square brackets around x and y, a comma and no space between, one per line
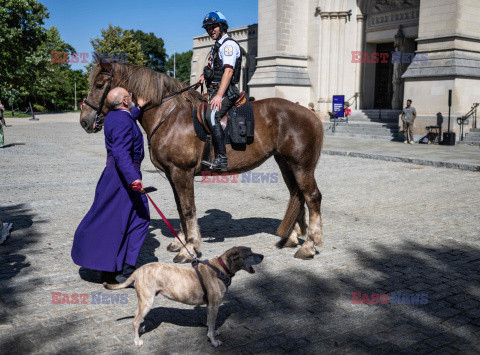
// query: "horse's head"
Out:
[95,107]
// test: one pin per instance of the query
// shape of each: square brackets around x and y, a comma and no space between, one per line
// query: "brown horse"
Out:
[289,132]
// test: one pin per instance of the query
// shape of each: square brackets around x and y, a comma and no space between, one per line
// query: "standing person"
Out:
[110,236]
[2,119]
[311,107]
[408,117]
[2,123]
[82,103]
[221,75]
[347,111]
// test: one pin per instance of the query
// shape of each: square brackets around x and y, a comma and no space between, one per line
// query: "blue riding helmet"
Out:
[213,18]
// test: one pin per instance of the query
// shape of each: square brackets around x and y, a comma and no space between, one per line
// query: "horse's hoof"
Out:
[182,259]
[305,254]
[174,247]
[290,243]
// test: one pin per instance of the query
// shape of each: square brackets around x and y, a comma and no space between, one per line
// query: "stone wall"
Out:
[449,42]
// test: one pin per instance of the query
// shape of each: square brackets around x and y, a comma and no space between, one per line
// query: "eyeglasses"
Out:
[211,27]
[129,95]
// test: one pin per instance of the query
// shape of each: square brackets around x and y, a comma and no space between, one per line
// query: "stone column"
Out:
[325,69]
[333,55]
[397,80]
[342,19]
[282,51]
[359,48]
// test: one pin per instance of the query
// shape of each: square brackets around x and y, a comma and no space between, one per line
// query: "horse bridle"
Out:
[99,112]
[98,125]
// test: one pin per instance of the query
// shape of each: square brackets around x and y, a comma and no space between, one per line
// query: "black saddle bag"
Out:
[238,129]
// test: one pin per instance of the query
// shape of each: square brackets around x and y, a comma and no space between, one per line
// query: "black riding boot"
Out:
[126,273]
[218,137]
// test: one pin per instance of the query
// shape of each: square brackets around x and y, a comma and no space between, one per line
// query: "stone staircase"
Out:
[374,124]
[472,137]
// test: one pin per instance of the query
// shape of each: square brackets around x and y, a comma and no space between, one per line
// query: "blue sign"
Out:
[338,103]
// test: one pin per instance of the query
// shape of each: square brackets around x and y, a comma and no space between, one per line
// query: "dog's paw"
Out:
[139,342]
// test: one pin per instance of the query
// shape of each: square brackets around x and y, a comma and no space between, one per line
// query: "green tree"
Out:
[153,50]
[118,45]
[21,33]
[50,88]
[183,65]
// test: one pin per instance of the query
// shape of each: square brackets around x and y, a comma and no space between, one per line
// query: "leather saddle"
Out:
[203,106]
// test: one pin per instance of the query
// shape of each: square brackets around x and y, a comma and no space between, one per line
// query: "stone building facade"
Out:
[380,52]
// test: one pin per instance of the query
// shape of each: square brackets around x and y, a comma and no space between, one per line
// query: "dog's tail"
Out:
[124,284]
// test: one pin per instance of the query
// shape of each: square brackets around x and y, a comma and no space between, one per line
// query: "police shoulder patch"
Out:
[228,50]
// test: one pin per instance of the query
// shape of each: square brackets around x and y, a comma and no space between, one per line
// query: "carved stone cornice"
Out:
[408,17]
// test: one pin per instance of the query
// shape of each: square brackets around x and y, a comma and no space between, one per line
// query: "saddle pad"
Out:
[200,130]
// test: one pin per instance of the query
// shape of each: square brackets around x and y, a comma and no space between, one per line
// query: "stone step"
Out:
[365,128]
[473,134]
[390,116]
[369,125]
[469,142]
[474,130]
[364,132]
[468,137]
[365,136]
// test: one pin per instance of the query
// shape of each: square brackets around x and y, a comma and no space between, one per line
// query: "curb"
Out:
[434,163]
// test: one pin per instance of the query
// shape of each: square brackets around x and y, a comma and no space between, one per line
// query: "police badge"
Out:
[228,50]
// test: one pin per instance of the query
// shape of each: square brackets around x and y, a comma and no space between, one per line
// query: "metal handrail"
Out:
[463,120]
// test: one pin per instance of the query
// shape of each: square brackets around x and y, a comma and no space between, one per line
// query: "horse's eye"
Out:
[99,85]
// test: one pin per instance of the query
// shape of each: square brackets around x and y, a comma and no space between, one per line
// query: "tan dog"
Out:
[181,283]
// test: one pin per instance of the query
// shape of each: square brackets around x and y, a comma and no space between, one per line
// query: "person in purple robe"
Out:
[111,234]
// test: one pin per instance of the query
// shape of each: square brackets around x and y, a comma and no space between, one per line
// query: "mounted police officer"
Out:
[221,75]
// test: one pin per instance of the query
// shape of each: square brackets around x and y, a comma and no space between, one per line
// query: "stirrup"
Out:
[220,164]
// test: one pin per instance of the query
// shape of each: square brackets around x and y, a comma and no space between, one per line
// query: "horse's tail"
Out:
[296,202]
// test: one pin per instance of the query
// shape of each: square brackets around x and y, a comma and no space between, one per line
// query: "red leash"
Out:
[169,225]
[136,187]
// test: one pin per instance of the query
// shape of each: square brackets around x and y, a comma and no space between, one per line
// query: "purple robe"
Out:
[113,230]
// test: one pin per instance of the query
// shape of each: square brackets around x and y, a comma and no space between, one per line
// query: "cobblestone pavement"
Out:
[390,228]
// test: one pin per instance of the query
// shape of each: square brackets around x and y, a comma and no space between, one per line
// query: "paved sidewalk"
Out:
[460,156]
[407,231]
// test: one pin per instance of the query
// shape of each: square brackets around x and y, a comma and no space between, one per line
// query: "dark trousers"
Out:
[227,104]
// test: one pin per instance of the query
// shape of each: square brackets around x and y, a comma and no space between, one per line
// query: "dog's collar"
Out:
[229,273]
[226,279]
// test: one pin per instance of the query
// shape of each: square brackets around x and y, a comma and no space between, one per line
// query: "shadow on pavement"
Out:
[218,225]
[288,309]
[13,259]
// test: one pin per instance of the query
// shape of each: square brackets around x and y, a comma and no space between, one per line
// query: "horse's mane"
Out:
[143,82]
